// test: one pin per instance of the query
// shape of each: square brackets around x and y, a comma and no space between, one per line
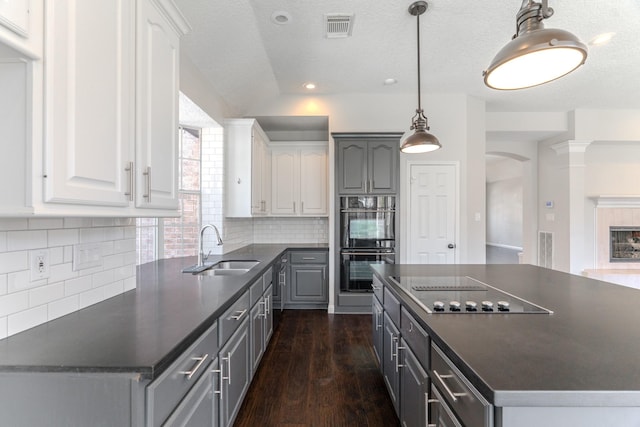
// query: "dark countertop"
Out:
[141,331]
[587,353]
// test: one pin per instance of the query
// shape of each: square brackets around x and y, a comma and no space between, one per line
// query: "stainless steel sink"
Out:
[224,268]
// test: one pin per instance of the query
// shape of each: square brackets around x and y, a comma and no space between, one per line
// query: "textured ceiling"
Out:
[250,59]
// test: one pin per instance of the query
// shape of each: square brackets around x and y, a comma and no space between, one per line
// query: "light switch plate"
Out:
[87,255]
[39,264]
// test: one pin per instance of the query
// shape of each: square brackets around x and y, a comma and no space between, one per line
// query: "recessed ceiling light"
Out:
[309,86]
[281,17]
[390,81]
[601,39]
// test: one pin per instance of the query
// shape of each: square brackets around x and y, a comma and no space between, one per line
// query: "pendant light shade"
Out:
[421,141]
[536,55]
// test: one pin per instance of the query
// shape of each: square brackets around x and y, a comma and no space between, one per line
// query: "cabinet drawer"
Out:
[415,336]
[267,278]
[308,257]
[463,398]
[232,318]
[392,306]
[256,291]
[196,409]
[377,288]
[164,394]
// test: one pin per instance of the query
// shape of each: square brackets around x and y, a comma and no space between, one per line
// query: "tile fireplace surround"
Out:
[615,211]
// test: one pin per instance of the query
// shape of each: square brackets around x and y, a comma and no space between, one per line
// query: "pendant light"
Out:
[535,55]
[421,141]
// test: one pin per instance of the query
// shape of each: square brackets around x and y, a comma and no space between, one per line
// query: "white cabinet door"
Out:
[285,170]
[313,181]
[158,61]
[258,201]
[89,101]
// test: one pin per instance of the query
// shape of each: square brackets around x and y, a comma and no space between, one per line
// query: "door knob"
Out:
[451,245]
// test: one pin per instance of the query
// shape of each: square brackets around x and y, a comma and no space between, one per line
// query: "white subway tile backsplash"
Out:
[26,319]
[3,327]
[25,240]
[25,303]
[63,237]
[64,306]
[14,261]
[76,286]
[14,224]
[46,294]
[45,223]
[13,303]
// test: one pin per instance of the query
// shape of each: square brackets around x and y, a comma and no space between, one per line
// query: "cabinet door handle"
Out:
[129,170]
[308,258]
[263,303]
[239,314]
[228,377]
[193,371]
[393,340]
[398,348]
[219,372]
[454,396]
[378,323]
[147,174]
[376,287]
[267,304]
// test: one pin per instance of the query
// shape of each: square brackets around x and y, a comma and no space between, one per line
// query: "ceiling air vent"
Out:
[338,25]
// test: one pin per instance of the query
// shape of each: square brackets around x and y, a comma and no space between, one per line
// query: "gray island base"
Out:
[576,366]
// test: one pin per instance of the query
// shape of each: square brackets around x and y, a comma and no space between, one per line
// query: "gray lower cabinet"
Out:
[234,371]
[390,364]
[307,282]
[378,328]
[414,389]
[261,328]
[196,409]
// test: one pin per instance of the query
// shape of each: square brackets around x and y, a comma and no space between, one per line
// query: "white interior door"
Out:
[432,214]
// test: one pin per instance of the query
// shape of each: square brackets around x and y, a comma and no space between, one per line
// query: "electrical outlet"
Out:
[39,264]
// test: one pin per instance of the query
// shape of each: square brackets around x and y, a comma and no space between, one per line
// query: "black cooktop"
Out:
[463,295]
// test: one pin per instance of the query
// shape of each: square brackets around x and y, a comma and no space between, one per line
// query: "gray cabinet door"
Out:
[196,409]
[378,329]
[389,363]
[234,364]
[352,167]
[414,389]
[382,167]
[268,321]
[308,284]
[257,329]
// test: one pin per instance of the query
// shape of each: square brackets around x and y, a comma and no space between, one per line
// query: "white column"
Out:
[574,153]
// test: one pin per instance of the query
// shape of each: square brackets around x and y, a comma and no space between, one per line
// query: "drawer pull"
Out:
[228,377]
[375,287]
[239,314]
[192,372]
[308,258]
[454,396]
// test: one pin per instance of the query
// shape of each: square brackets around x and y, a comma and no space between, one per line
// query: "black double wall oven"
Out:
[367,236]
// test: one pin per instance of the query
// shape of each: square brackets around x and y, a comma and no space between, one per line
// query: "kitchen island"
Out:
[575,366]
[94,366]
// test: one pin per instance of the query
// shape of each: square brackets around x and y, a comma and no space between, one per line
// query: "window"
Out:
[159,238]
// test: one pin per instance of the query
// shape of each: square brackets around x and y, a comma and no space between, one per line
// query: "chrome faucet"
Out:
[201,257]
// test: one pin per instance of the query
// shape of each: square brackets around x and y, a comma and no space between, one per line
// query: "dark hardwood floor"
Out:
[319,370]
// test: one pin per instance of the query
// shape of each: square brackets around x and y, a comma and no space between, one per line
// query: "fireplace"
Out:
[625,244]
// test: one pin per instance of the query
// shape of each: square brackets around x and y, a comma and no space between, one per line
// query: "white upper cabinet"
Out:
[157,75]
[299,180]
[248,175]
[100,123]
[89,128]
[21,26]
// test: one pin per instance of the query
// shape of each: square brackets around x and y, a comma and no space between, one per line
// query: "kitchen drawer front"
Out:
[392,306]
[267,278]
[197,408]
[415,336]
[233,317]
[308,257]
[164,393]
[256,291]
[378,288]
[463,398]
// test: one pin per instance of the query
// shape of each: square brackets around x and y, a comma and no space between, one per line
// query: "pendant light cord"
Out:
[419,88]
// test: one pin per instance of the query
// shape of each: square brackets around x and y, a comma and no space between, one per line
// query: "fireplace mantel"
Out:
[616,201]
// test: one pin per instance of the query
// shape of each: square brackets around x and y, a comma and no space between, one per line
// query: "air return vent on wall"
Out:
[338,24]
[545,249]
